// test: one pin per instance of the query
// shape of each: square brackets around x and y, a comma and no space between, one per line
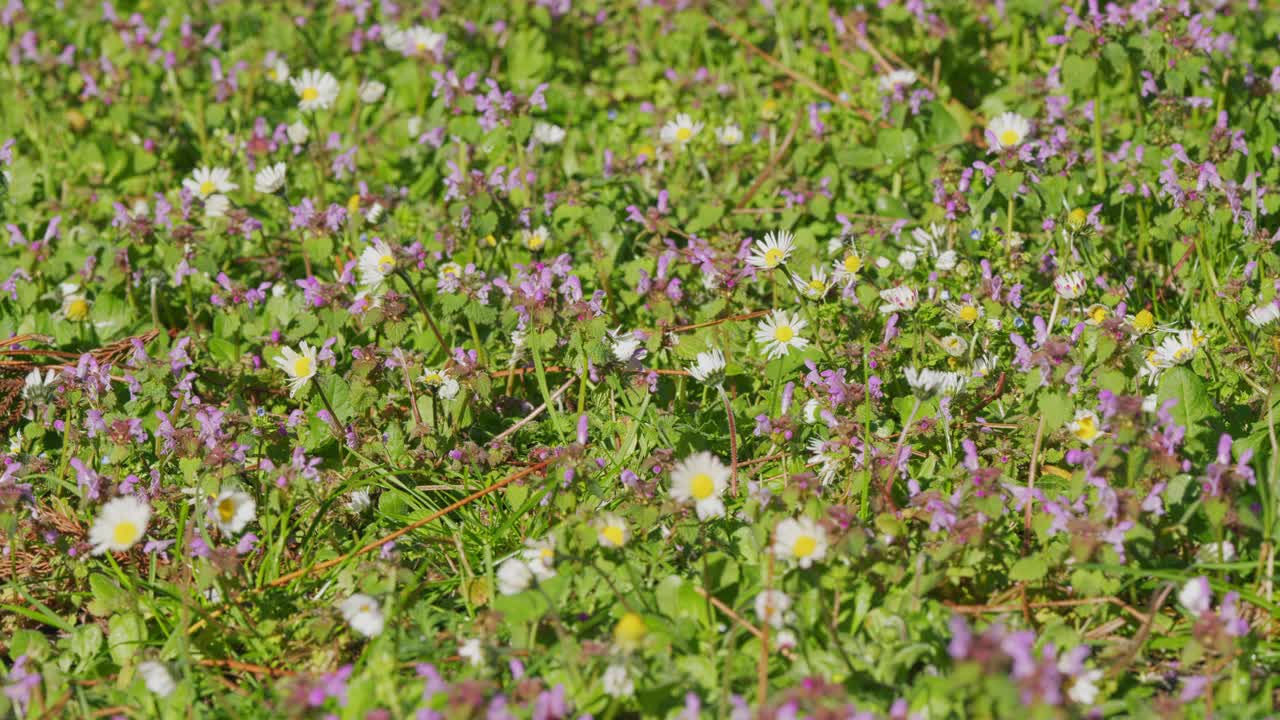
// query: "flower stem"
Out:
[422,305]
[733,442]
[333,416]
[1053,316]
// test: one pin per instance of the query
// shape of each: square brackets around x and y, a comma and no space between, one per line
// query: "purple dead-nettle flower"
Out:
[21,683]
[1221,475]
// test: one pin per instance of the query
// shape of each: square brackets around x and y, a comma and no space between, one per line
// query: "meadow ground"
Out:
[900,359]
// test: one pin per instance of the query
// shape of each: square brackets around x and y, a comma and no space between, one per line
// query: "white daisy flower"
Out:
[359,501]
[896,79]
[120,524]
[612,530]
[537,238]
[1069,286]
[157,678]
[802,541]
[472,652]
[206,181]
[417,41]
[75,305]
[967,311]
[708,367]
[216,206]
[1085,427]
[371,91]
[514,576]
[548,134]
[316,89]
[299,366]
[772,251]
[849,263]
[729,135]
[363,614]
[444,384]
[278,71]
[617,681]
[233,510]
[377,262]
[270,179]
[298,133]
[1084,687]
[681,130]
[540,556]
[934,382]
[954,345]
[907,259]
[1008,130]
[700,479]
[772,607]
[779,332]
[1196,596]
[899,299]
[816,287]
[1213,552]
[625,347]
[1264,315]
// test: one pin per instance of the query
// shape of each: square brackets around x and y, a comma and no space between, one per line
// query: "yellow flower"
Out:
[630,631]
[1097,314]
[612,531]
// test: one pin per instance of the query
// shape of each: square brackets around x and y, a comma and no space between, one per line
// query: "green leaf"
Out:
[1029,569]
[1056,409]
[1078,72]
[126,637]
[1187,388]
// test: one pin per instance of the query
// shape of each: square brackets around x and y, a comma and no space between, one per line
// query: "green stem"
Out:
[426,313]
[546,393]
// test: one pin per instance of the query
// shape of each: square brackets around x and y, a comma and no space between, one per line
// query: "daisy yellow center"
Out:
[804,546]
[124,533]
[613,534]
[353,203]
[1197,338]
[968,313]
[302,367]
[78,309]
[1009,137]
[534,241]
[207,187]
[490,240]
[702,486]
[364,608]
[449,270]
[386,263]
[1099,314]
[433,379]
[309,94]
[817,285]
[783,333]
[684,133]
[546,554]
[1086,429]
[226,510]
[772,257]
[1144,321]
[421,46]
[1077,217]
[852,264]
[1181,353]
[630,630]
